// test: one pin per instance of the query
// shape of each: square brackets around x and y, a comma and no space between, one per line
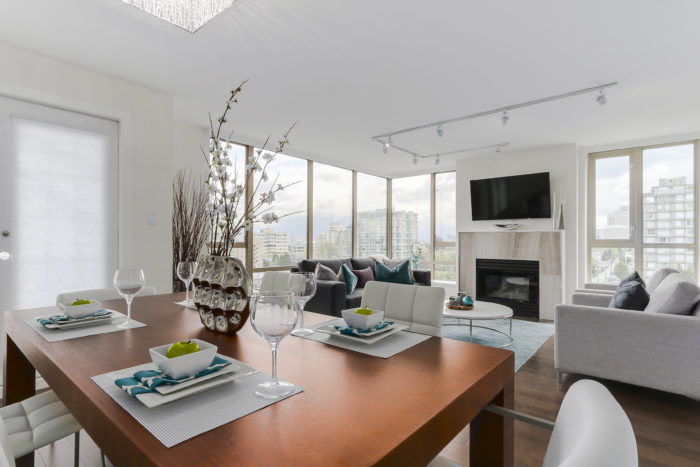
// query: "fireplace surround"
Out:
[513,283]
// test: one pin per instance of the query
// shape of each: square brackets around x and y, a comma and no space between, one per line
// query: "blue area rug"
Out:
[528,336]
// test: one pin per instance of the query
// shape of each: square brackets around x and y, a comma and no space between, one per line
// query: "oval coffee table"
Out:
[482,311]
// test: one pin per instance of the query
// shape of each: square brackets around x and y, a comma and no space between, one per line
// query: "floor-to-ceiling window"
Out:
[371,215]
[332,212]
[411,235]
[642,211]
[445,227]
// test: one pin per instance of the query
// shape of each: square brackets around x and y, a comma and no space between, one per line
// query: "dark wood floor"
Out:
[667,426]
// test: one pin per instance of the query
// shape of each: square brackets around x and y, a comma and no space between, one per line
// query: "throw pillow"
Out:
[349,278]
[675,295]
[397,275]
[631,296]
[658,276]
[392,263]
[632,277]
[324,273]
[363,276]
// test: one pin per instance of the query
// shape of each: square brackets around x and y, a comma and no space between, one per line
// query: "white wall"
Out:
[147,153]
[560,162]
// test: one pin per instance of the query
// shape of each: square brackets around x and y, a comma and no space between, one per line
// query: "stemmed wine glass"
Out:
[303,286]
[185,271]
[273,315]
[128,283]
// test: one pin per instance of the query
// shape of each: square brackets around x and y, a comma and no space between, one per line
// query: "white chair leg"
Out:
[103,459]
[76,456]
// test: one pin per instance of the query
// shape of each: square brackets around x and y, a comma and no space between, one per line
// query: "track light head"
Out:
[498,150]
[601,99]
[437,160]
[385,149]
[505,117]
[439,131]
[415,159]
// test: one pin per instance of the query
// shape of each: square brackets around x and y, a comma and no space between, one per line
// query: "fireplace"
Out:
[513,283]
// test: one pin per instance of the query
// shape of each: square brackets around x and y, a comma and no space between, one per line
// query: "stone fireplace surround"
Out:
[544,247]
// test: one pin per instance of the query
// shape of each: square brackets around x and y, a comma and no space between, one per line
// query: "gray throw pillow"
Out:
[630,296]
[675,295]
[657,277]
[392,263]
[324,273]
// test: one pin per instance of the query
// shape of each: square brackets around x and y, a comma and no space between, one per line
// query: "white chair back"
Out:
[418,306]
[101,294]
[591,429]
[275,281]
[7,458]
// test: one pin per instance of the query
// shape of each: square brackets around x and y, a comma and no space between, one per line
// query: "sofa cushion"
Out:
[633,277]
[392,263]
[397,275]
[349,278]
[363,263]
[675,295]
[325,273]
[354,300]
[363,276]
[696,310]
[658,276]
[630,296]
[309,265]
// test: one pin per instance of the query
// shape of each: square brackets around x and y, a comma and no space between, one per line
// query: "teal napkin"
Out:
[146,380]
[362,332]
[59,319]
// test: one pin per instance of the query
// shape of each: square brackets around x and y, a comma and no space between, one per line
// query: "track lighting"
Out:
[385,149]
[437,160]
[387,145]
[415,159]
[505,117]
[601,99]
[439,130]
[498,150]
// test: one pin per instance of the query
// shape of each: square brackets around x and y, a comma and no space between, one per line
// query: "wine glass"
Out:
[128,283]
[273,315]
[185,271]
[303,286]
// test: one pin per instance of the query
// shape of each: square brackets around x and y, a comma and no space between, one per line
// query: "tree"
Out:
[621,270]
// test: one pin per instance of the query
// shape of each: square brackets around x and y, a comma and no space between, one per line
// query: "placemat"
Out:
[54,335]
[385,348]
[186,418]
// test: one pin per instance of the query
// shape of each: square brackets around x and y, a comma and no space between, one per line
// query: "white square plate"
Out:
[374,337]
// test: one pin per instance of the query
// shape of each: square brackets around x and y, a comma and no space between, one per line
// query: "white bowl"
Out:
[79,311]
[184,365]
[362,321]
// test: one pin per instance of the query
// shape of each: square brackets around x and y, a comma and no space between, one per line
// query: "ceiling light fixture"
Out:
[437,159]
[505,117]
[498,150]
[186,14]
[439,131]
[415,159]
[601,99]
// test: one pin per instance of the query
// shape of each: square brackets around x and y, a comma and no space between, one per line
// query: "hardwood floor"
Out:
[667,426]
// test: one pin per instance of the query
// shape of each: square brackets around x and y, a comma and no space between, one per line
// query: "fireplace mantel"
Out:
[545,247]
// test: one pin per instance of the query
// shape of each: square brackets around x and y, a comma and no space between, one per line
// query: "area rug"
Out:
[528,336]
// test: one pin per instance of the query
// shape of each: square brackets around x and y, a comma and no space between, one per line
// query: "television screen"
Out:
[516,197]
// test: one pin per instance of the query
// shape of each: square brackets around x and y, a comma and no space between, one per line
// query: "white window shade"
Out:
[64,211]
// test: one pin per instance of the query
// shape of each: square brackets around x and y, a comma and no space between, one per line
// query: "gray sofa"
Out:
[656,348]
[331,297]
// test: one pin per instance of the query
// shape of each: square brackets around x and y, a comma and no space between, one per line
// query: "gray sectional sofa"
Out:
[656,348]
[331,297]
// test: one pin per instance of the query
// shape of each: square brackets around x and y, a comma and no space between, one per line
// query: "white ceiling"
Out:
[349,70]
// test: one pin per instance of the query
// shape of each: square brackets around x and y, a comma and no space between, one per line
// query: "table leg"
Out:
[20,383]
[491,436]
[510,332]
[471,338]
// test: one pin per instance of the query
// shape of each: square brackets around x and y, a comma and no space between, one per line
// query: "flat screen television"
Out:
[516,197]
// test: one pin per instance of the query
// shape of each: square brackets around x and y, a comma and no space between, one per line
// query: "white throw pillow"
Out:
[675,295]
[658,276]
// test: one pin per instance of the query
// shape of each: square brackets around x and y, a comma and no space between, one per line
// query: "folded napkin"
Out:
[362,332]
[146,380]
[62,319]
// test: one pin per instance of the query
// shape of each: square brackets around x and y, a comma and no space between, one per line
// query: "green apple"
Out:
[182,348]
[81,302]
[364,311]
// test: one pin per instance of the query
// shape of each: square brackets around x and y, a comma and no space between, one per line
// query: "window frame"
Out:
[636,206]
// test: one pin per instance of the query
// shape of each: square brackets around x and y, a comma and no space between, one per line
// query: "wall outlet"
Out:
[151,218]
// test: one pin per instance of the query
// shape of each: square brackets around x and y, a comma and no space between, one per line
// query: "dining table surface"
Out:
[355,409]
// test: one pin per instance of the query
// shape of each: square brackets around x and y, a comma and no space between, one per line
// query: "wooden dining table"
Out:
[355,409]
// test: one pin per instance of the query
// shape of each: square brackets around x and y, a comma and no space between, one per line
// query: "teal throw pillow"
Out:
[350,279]
[397,275]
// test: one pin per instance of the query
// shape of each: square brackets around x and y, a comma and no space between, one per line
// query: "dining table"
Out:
[355,409]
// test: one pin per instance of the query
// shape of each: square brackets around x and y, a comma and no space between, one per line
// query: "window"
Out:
[445,227]
[642,209]
[332,212]
[410,220]
[371,215]
[283,243]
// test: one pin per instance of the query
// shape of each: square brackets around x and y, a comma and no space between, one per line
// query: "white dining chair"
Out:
[417,306]
[100,294]
[33,423]
[275,281]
